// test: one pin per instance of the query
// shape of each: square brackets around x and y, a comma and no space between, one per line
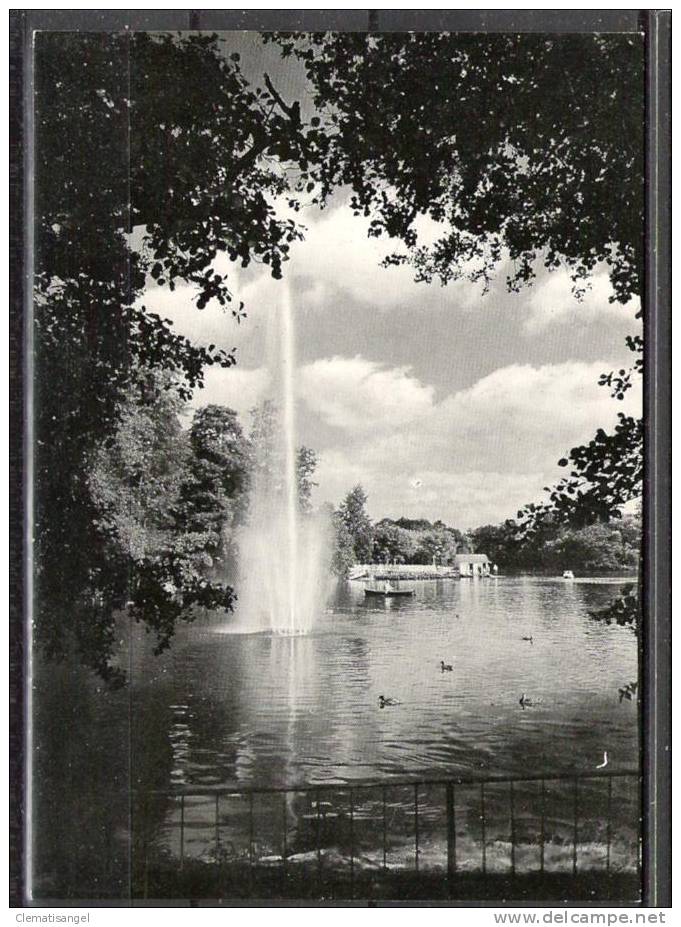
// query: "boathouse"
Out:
[472,564]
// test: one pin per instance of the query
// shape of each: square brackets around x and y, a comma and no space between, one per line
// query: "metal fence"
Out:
[456,827]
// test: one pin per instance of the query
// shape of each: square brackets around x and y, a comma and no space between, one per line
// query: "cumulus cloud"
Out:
[552,302]
[238,388]
[420,445]
[336,258]
[335,273]
[475,455]
[516,414]
[358,394]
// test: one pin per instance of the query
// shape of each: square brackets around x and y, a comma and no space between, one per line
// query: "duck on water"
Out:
[384,701]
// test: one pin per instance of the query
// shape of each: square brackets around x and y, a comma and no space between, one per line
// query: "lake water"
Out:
[280,711]
[222,708]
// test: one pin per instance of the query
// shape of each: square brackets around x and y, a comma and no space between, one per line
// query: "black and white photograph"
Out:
[336,452]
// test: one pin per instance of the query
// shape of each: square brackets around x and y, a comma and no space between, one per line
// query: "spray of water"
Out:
[283,553]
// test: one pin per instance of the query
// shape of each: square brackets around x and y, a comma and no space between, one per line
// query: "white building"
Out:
[472,564]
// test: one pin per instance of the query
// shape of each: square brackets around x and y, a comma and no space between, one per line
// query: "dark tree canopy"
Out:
[526,146]
[155,155]
[162,135]
[523,149]
[214,495]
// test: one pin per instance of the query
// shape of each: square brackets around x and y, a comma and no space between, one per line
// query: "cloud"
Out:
[442,402]
[337,257]
[518,413]
[474,456]
[359,395]
[346,303]
[552,302]
[236,387]
[462,498]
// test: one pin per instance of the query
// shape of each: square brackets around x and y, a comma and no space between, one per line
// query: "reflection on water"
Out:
[274,710]
[257,709]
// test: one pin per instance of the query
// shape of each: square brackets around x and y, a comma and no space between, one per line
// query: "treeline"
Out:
[595,548]
[402,540]
[415,541]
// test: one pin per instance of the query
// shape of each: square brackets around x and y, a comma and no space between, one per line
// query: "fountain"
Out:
[283,552]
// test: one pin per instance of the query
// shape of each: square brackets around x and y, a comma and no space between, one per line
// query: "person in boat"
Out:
[387,587]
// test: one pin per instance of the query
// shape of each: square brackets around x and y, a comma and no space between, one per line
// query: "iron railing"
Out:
[495,798]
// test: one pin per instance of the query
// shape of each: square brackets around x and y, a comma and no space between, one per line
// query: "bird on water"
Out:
[383,702]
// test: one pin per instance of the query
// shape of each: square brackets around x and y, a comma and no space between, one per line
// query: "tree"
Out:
[161,135]
[530,145]
[214,495]
[596,548]
[354,516]
[136,484]
[342,555]
[435,545]
[554,546]
[137,475]
[524,148]
[413,524]
[499,542]
[392,543]
[306,464]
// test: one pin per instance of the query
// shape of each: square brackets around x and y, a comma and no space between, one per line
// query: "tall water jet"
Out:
[283,551]
[289,415]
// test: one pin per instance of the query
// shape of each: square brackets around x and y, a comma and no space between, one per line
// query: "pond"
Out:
[223,708]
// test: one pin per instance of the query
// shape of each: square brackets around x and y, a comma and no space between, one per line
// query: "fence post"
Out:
[512,795]
[181,831]
[352,843]
[284,849]
[217,826]
[251,848]
[451,838]
[575,810]
[542,826]
[416,826]
[319,836]
[385,835]
[608,831]
[483,826]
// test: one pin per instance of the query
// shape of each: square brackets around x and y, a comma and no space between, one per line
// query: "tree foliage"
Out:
[138,486]
[353,514]
[306,464]
[214,495]
[415,540]
[526,146]
[520,149]
[161,135]
[555,546]
[267,455]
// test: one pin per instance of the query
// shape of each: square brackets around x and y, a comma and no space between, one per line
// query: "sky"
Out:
[443,402]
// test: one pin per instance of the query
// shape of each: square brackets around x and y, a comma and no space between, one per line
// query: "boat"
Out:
[389,593]
[568,574]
